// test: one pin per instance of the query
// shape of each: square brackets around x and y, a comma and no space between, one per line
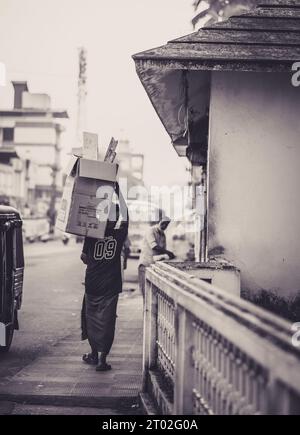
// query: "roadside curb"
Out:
[125,403]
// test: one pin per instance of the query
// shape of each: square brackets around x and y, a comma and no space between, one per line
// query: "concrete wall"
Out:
[6,180]
[35,135]
[254,178]
[35,101]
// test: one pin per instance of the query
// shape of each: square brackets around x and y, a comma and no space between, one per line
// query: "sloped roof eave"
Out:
[266,39]
[200,64]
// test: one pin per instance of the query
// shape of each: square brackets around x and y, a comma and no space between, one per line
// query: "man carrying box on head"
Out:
[154,248]
[103,283]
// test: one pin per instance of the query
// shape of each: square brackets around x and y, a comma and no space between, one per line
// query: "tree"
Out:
[218,10]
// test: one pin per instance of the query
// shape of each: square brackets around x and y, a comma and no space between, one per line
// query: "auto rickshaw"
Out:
[11,273]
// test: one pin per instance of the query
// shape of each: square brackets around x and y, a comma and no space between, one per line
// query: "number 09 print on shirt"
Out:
[105,249]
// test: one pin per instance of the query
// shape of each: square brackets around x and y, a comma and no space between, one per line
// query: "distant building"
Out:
[131,164]
[6,182]
[30,146]
[12,178]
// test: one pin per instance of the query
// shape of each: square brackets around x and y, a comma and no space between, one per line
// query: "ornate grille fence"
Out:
[209,352]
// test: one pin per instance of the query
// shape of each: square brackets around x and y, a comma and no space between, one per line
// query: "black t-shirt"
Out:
[103,273]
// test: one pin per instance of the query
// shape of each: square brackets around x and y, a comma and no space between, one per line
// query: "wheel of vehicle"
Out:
[9,336]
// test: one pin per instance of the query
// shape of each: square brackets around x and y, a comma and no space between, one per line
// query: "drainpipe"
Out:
[199,182]
[196,153]
[203,231]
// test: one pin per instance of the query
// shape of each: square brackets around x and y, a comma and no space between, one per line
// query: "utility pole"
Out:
[82,94]
[55,171]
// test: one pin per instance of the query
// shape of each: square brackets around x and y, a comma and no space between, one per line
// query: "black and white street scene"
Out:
[149,208]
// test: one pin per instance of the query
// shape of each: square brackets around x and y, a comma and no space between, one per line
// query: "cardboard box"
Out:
[87,197]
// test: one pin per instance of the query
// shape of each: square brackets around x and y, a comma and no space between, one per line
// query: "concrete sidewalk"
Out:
[61,379]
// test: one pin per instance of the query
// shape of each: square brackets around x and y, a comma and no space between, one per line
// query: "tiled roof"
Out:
[266,38]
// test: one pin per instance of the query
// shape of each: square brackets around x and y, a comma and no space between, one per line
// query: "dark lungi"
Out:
[98,321]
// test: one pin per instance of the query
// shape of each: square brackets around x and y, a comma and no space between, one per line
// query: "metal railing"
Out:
[209,352]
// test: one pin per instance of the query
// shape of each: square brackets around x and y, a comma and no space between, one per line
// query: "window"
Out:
[8,135]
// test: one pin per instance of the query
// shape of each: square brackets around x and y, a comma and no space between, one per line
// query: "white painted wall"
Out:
[35,135]
[254,177]
[37,145]
[6,180]
[41,155]
[35,101]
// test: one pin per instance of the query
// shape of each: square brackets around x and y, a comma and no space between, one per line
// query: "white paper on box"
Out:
[71,164]
[65,204]
[90,146]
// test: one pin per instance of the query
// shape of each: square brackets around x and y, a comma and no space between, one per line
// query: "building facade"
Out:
[30,146]
[131,165]
[226,97]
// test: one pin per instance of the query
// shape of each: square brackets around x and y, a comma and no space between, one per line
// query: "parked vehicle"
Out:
[11,273]
[135,236]
[35,229]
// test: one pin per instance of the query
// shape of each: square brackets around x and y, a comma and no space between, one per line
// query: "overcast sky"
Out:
[38,43]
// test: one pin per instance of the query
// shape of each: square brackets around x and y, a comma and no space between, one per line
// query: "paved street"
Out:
[50,327]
